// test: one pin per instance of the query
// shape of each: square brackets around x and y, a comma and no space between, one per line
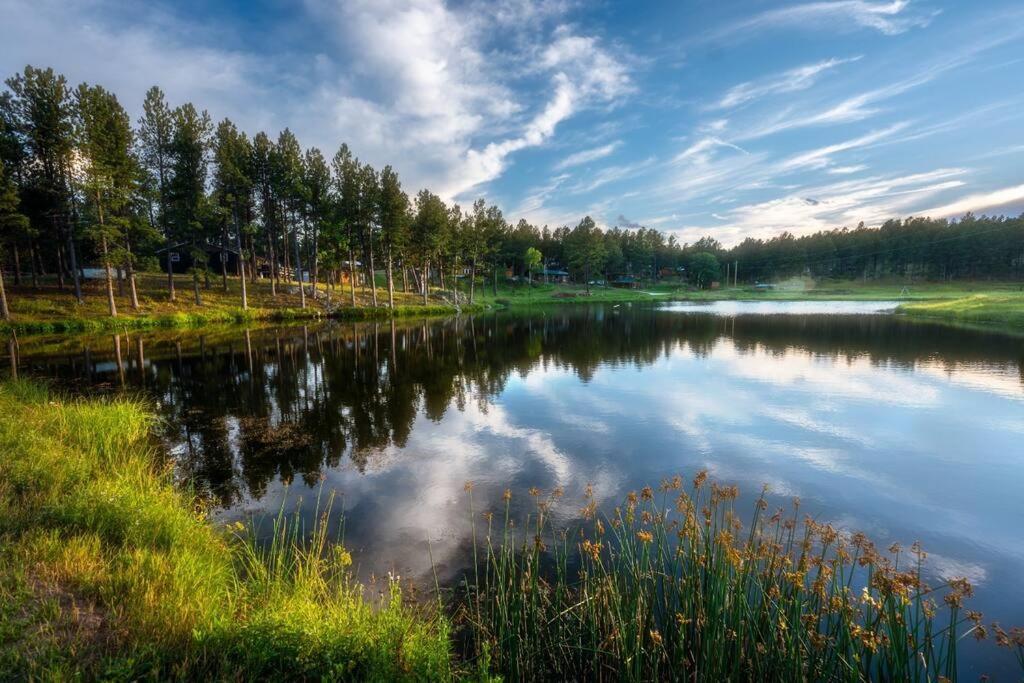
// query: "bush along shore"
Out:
[108,570]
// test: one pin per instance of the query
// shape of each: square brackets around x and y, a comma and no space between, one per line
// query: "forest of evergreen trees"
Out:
[82,185]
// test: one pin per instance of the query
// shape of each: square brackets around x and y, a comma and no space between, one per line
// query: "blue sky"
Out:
[694,117]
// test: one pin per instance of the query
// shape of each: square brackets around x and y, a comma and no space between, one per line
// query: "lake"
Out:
[904,430]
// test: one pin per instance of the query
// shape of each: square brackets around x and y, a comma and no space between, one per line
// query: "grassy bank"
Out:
[982,304]
[108,571]
[995,309]
[47,310]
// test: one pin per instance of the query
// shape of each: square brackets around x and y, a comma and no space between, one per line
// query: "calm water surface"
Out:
[903,430]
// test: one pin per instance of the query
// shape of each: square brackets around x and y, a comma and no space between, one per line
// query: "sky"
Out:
[695,117]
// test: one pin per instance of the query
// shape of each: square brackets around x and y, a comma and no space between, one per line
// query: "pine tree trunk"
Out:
[241,271]
[425,283]
[284,253]
[133,290]
[170,274]
[195,287]
[32,256]
[75,275]
[273,264]
[405,279]
[5,313]
[224,259]
[352,275]
[373,280]
[495,279]
[316,258]
[60,267]
[298,270]
[110,277]
[120,282]
[472,281]
[391,283]
[17,266]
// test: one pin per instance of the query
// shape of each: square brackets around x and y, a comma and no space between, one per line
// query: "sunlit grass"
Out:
[1003,308]
[47,310]
[106,569]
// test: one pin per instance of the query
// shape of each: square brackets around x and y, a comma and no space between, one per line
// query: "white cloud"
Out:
[1005,198]
[791,80]
[420,84]
[610,174]
[822,156]
[846,170]
[587,155]
[77,40]
[700,150]
[889,18]
[870,200]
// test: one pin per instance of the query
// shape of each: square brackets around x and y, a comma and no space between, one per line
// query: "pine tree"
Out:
[316,185]
[109,175]
[44,114]
[187,202]
[12,221]
[233,190]
[393,212]
[155,132]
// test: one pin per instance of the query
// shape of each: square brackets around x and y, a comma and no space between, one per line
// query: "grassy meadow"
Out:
[49,310]
[109,570]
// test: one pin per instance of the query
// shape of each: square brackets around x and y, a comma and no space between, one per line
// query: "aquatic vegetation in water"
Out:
[672,584]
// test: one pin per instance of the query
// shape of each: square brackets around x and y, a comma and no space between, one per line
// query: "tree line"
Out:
[80,183]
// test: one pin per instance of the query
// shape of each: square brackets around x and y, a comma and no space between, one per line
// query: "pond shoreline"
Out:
[994,306]
[118,570]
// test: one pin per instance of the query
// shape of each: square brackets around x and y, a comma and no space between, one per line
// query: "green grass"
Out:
[990,305]
[48,311]
[108,571]
[988,309]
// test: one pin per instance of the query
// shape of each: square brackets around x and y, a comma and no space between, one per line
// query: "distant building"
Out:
[180,256]
[555,275]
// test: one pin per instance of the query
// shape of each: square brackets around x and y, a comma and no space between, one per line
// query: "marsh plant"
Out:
[672,585]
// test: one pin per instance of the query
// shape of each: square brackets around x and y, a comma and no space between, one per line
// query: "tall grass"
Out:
[671,585]
[107,570]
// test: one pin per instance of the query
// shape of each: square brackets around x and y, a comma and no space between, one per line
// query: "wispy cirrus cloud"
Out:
[846,203]
[586,156]
[1007,199]
[889,18]
[450,96]
[822,156]
[791,80]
